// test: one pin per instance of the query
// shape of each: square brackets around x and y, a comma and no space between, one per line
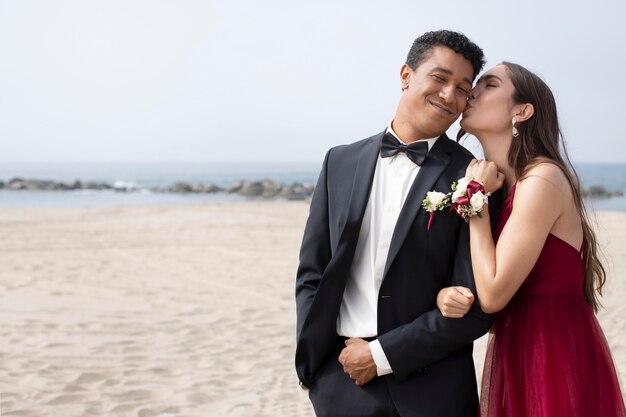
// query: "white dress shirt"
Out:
[393,178]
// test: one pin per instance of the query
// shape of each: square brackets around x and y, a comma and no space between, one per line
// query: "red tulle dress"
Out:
[547,355]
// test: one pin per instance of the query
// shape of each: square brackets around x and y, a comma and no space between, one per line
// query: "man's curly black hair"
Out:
[459,43]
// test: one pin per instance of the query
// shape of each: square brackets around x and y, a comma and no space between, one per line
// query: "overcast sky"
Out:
[185,80]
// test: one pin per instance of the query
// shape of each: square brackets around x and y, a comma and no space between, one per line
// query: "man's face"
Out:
[436,92]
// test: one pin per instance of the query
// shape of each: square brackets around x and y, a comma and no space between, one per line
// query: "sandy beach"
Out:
[174,311]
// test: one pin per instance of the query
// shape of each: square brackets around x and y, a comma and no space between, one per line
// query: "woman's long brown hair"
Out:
[540,140]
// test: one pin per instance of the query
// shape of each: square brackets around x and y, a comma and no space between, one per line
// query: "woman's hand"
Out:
[455,302]
[485,172]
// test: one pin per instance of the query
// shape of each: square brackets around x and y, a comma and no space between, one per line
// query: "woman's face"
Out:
[489,109]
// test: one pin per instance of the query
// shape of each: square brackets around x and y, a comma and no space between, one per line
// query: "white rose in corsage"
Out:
[477,201]
[468,198]
[435,201]
[459,188]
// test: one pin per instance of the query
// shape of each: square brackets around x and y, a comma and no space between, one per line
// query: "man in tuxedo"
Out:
[370,339]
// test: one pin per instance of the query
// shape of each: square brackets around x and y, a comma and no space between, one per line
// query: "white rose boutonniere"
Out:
[435,201]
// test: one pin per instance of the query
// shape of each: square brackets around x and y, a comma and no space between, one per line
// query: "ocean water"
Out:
[162,174]
[144,175]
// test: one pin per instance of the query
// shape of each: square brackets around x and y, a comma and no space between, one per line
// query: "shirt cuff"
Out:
[380,359]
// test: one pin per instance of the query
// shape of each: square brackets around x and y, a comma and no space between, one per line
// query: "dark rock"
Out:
[63,186]
[270,188]
[297,191]
[234,188]
[33,185]
[180,187]
[185,188]
[251,189]
[16,184]
[205,188]
[98,186]
[294,192]
[598,192]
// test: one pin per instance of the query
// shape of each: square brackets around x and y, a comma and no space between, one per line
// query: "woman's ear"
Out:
[523,112]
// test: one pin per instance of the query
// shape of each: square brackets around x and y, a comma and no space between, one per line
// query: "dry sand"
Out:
[173,311]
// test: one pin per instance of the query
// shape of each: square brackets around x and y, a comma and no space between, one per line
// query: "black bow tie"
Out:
[415,151]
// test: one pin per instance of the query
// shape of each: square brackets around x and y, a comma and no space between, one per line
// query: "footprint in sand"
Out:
[135,395]
[123,408]
[216,383]
[199,398]
[135,358]
[89,378]
[55,345]
[73,388]
[166,412]
[147,412]
[66,399]
[22,413]
[160,371]
[242,408]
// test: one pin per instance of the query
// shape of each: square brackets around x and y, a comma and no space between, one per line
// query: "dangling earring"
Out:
[515,131]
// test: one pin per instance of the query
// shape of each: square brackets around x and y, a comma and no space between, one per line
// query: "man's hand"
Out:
[455,302]
[357,361]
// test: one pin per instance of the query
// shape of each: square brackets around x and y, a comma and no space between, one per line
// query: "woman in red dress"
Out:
[547,355]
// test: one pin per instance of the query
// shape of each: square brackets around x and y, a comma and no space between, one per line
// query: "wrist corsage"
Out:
[466,199]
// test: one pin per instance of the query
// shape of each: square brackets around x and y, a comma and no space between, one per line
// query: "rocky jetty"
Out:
[263,189]
[599,192]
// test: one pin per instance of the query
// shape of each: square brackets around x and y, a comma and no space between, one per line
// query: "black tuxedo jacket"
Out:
[431,356]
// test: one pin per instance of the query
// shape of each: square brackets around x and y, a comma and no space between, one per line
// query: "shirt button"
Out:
[386,244]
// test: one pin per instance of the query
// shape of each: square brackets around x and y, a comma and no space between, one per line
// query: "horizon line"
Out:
[225,162]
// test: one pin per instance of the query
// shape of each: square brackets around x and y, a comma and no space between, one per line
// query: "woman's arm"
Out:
[500,270]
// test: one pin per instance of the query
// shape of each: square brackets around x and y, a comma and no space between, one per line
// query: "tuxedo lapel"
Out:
[361,188]
[438,158]
[336,273]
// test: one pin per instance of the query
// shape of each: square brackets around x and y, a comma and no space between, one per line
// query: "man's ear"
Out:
[523,112]
[405,76]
